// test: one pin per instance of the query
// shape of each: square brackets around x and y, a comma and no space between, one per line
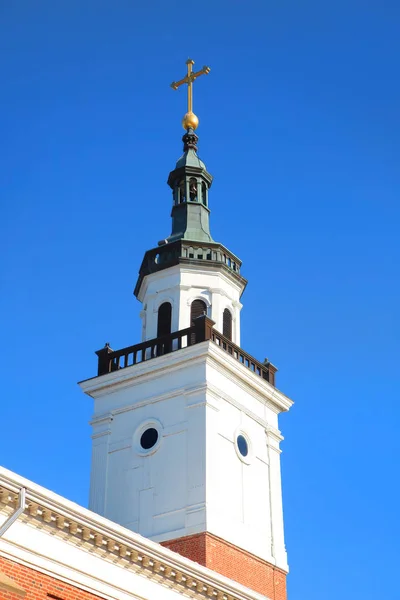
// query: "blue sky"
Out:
[300,126]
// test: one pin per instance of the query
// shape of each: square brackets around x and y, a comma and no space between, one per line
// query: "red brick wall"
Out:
[38,586]
[231,561]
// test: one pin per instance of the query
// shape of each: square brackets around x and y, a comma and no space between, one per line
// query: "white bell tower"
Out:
[185,425]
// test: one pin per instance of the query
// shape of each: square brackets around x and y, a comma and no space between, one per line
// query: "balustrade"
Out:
[112,360]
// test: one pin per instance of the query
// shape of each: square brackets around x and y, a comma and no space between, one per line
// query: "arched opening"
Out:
[197,308]
[193,189]
[164,319]
[181,192]
[227,324]
[204,193]
[164,327]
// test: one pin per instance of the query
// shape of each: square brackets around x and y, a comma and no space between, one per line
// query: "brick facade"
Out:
[203,548]
[39,586]
[231,561]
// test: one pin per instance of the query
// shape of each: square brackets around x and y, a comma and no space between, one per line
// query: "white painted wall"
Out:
[199,398]
[181,285]
[239,489]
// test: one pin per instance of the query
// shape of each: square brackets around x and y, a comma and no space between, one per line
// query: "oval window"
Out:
[242,445]
[149,438]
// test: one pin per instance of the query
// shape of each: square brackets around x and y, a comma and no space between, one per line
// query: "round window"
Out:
[149,438]
[242,445]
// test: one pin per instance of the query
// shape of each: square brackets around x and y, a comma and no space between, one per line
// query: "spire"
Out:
[190,182]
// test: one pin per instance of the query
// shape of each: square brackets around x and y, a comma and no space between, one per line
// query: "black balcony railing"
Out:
[112,360]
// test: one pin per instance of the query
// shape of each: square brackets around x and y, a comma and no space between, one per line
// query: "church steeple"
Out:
[186,439]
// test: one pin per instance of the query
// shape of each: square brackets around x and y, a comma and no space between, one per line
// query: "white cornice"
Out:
[97,535]
[98,386]
[226,275]
[274,434]
[159,275]
[256,385]
[103,419]
[221,292]
[201,269]
[226,364]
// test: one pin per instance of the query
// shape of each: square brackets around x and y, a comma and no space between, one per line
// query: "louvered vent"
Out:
[227,324]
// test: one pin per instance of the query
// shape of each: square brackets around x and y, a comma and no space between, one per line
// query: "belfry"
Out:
[185,426]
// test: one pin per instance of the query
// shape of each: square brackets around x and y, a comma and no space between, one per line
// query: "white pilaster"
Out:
[275,485]
[98,475]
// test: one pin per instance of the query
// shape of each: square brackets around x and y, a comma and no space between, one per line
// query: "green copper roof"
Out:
[190,159]
[190,183]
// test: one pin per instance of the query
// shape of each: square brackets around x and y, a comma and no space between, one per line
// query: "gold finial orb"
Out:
[190,121]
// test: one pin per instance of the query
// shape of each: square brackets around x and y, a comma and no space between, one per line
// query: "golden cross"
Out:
[190,77]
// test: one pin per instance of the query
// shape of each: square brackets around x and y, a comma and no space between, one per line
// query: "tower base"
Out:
[233,562]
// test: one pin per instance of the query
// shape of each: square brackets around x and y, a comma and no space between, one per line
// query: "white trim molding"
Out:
[63,540]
